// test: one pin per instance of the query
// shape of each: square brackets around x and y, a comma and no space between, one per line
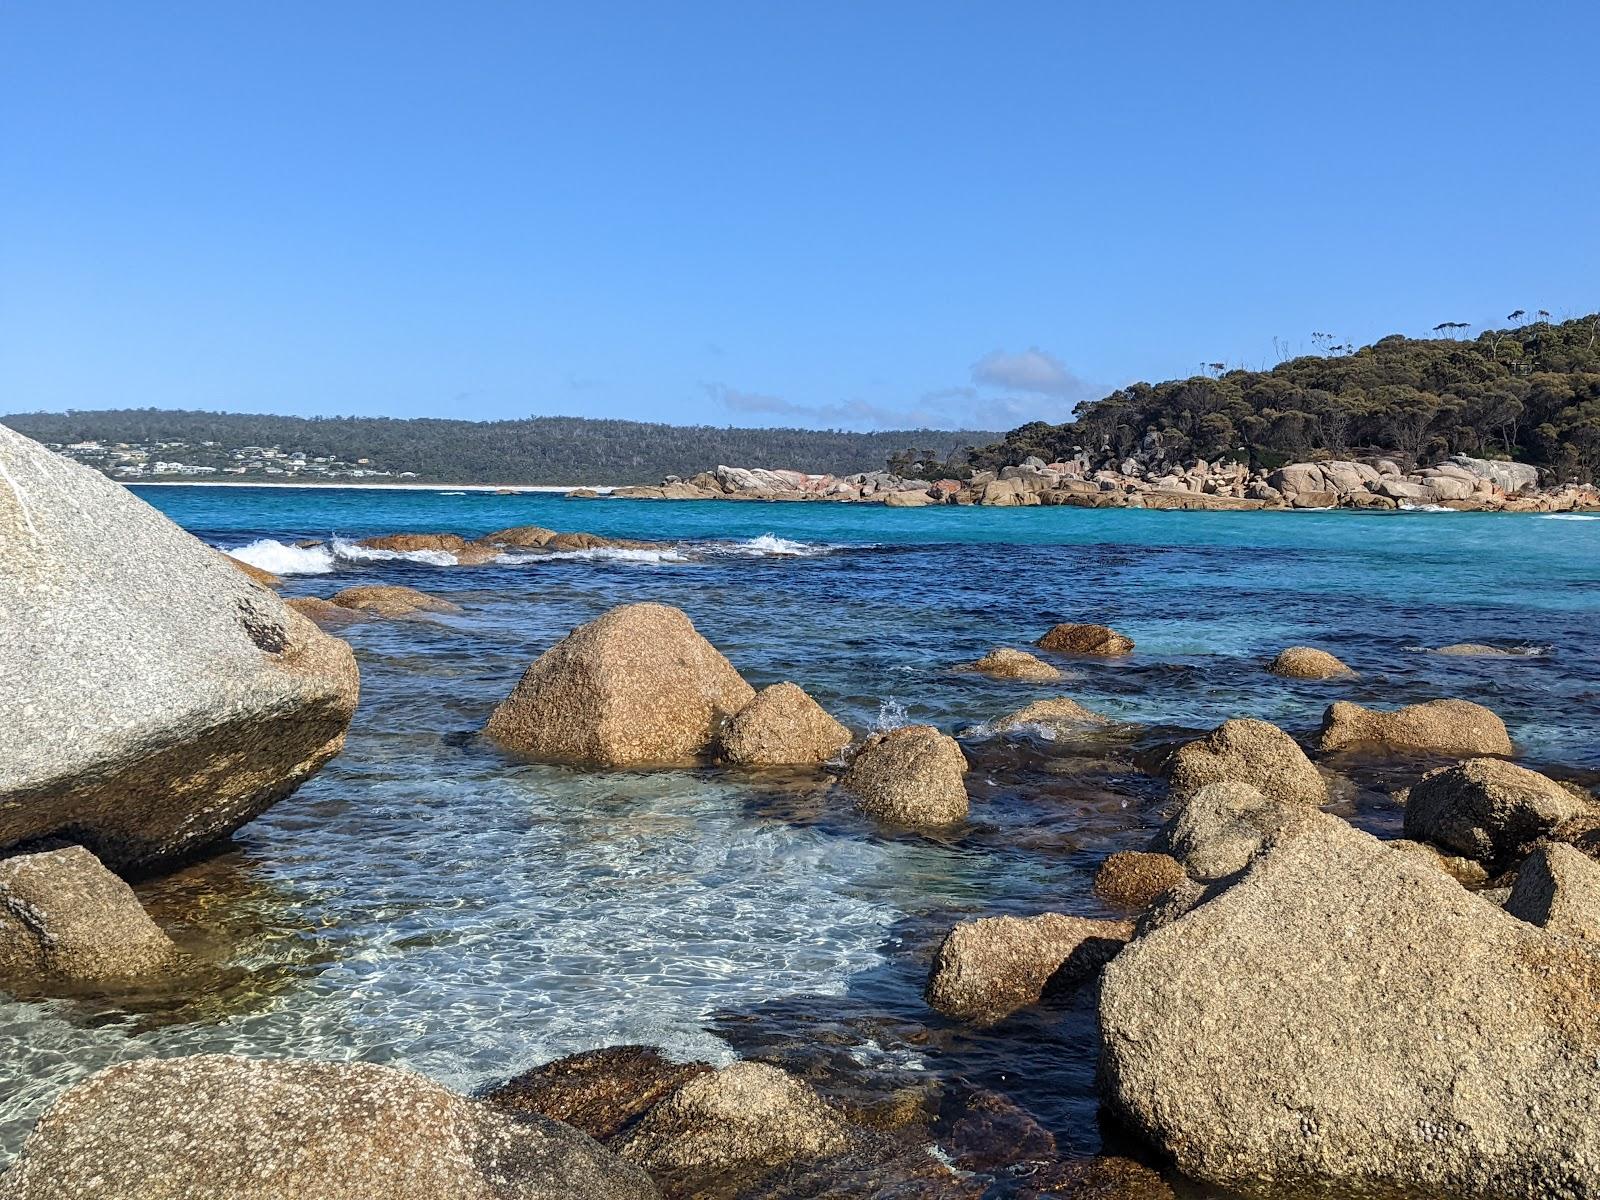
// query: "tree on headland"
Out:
[1530,393]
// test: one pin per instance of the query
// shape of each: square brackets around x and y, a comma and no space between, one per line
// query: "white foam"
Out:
[891,715]
[351,552]
[769,545]
[597,554]
[1407,506]
[281,558]
[1569,516]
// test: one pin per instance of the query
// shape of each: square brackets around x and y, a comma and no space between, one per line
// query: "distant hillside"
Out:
[1530,393]
[539,450]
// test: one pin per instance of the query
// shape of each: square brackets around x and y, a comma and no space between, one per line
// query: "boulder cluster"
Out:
[1461,482]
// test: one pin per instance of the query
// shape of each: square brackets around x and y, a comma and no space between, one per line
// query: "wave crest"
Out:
[281,558]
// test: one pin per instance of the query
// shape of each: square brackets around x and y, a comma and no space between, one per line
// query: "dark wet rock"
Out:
[1345,1018]
[748,1113]
[991,1133]
[1005,663]
[387,600]
[1134,878]
[912,776]
[156,699]
[216,1125]
[1558,888]
[1488,809]
[1307,662]
[1104,1178]
[782,726]
[987,969]
[1219,829]
[1438,726]
[1058,714]
[600,1092]
[65,919]
[1248,751]
[637,686]
[1095,640]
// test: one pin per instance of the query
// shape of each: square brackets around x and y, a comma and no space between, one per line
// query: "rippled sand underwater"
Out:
[430,902]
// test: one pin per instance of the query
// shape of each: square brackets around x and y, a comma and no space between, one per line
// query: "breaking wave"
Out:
[597,554]
[281,558]
[769,545]
[1569,516]
[1407,506]
[351,552]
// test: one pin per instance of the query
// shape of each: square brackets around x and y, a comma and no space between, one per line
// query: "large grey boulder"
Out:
[1435,727]
[912,776]
[216,1125]
[65,919]
[1344,1017]
[155,698]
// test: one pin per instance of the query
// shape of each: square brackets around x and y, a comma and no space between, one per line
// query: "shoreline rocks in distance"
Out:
[159,698]
[1139,481]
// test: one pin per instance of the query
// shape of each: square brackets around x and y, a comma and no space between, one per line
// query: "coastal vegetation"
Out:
[535,450]
[1530,393]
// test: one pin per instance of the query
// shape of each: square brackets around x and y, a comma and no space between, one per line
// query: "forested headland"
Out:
[538,450]
[1529,393]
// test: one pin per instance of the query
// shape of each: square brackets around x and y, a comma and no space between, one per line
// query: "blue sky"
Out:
[859,215]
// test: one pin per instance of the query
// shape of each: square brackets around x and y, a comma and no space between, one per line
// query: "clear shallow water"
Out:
[428,902]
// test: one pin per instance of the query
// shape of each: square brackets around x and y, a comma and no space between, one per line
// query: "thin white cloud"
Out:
[1031,370]
[845,414]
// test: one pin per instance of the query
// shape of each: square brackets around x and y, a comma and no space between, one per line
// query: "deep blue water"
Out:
[429,902]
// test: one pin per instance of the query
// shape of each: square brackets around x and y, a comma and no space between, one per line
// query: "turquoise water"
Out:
[430,902]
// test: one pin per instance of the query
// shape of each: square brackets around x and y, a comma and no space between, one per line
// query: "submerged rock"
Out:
[747,1113]
[1438,726]
[987,969]
[1134,878]
[1054,715]
[600,1092]
[64,918]
[1005,663]
[1488,809]
[392,601]
[1307,662]
[249,1129]
[325,613]
[465,553]
[1471,650]
[156,698]
[913,776]
[637,686]
[1558,888]
[1345,1018]
[1086,639]
[1244,750]
[782,726]
[1220,828]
